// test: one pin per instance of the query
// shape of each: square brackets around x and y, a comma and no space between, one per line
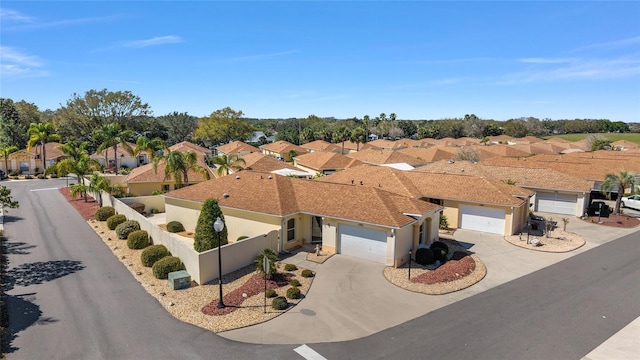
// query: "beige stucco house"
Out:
[364,222]
[30,162]
[145,180]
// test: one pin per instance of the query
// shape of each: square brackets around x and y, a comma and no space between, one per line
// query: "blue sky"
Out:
[279,59]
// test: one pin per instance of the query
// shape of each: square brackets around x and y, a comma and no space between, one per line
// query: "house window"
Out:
[421,234]
[24,166]
[166,188]
[291,229]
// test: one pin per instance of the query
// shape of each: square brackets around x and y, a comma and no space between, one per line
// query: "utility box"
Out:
[179,280]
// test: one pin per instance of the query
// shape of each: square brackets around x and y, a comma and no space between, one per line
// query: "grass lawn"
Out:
[633,137]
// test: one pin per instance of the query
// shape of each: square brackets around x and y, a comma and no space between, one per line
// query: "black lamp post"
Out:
[218,226]
[409,264]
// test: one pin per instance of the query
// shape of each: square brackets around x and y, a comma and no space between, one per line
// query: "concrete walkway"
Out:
[624,345]
[350,298]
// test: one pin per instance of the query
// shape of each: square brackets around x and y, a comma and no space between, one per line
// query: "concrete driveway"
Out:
[350,298]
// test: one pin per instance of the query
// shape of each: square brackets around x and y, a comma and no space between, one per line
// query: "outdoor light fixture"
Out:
[218,226]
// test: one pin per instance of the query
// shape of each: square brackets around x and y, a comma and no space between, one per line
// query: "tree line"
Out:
[78,119]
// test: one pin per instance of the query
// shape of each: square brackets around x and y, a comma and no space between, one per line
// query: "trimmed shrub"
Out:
[104,213]
[123,230]
[242,237]
[424,256]
[152,254]
[139,207]
[271,293]
[164,266]
[53,176]
[441,245]
[175,226]
[307,273]
[293,293]
[40,176]
[294,282]
[115,220]
[206,237]
[279,303]
[439,254]
[157,192]
[138,239]
[290,267]
[155,211]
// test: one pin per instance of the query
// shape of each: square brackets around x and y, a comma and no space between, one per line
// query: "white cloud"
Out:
[14,16]
[611,44]
[59,23]
[159,40]
[16,63]
[12,55]
[546,61]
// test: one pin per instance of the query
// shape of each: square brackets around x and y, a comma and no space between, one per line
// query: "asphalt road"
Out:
[70,298]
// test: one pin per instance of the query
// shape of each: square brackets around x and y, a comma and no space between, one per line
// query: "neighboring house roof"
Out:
[185,146]
[463,141]
[120,150]
[281,196]
[283,148]
[381,156]
[237,147]
[440,186]
[433,153]
[402,143]
[146,173]
[351,146]
[52,149]
[507,150]
[325,160]
[539,178]
[386,144]
[264,163]
[320,145]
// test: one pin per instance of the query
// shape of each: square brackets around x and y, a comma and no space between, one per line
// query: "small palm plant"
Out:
[273,259]
[565,221]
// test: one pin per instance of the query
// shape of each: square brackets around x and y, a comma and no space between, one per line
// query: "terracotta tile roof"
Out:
[145,173]
[380,156]
[237,147]
[433,153]
[53,152]
[538,178]
[280,195]
[264,163]
[441,186]
[120,150]
[320,145]
[319,160]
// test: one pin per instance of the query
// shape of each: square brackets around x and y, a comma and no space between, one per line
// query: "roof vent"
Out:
[225,195]
[361,183]
[461,170]
[270,177]
[451,161]
[237,177]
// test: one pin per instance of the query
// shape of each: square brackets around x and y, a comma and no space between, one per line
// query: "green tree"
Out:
[96,108]
[206,237]
[6,201]
[619,182]
[5,150]
[109,136]
[227,163]
[358,136]
[151,146]
[516,128]
[13,131]
[223,126]
[178,164]
[98,184]
[180,126]
[341,134]
[40,133]
[77,162]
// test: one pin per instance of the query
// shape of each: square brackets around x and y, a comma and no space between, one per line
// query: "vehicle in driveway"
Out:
[632,201]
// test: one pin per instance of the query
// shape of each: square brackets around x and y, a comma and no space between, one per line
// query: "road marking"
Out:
[44,189]
[308,353]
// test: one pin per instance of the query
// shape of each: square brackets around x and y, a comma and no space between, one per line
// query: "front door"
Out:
[316,229]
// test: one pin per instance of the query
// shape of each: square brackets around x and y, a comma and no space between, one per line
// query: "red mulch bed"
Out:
[615,220]
[251,287]
[460,265]
[85,209]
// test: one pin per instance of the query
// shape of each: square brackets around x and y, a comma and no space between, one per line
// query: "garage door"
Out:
[552,202]
[363,243]
[480,218]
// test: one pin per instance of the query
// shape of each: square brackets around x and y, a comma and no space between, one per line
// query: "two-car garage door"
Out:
[363,243]
[553,202]
[482,218]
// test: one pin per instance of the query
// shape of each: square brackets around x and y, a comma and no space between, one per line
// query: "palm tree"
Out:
[98,184]
[178,164]
[358,136]
[619,182]
[341,134]
[109,136]
[40,133]
[228,163]
[5,150]
[80,164]
[151,146]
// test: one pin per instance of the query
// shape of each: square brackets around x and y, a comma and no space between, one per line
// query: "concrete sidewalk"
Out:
[350,298]
[624,345]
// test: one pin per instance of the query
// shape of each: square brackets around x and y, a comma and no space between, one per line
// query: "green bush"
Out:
[138,239]
[279,303]
[290,267]
[439,254]
[242,237]
[294,282]
[205,236]
[157,192]
[28,177]
[164,266]
[293,293]
[123,230]
[152,254]
[155,211]
[104,213]
[115,220]
[271,293]
[53,176]
[175,226]
[441,245]
[444,222]
[273,259]
[307,273]
[40,176]
[424,256]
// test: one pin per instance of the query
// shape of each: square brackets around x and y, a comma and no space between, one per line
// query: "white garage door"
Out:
[363,243]
[556,203]
[480,218]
